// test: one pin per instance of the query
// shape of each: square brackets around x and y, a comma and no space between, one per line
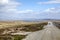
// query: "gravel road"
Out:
[50,32]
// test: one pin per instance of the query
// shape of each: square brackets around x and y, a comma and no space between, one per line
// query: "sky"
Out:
[29,9]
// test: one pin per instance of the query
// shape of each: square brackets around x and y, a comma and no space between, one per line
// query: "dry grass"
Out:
[11,24]
[5,24]
[26,26]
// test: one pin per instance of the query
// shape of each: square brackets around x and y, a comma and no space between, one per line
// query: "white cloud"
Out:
[8,8]
[50,13]
[56,0]
[52,10]
[7,5]
[4,1]
[50,2]
[25,11]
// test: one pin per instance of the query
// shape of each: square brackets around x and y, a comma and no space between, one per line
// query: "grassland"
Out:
[25,26]
[19,25]
[12,37]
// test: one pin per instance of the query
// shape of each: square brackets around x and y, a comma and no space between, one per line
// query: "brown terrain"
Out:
[19,29]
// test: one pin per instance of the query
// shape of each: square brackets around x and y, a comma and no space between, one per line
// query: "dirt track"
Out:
[50,32]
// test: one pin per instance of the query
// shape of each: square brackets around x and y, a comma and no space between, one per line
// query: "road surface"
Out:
[50,32]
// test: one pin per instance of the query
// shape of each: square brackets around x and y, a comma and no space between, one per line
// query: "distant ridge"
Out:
[29,20]
[40,19]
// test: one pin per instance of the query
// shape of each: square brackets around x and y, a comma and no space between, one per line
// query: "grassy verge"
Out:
[19,37]
[33,27]
[10,37]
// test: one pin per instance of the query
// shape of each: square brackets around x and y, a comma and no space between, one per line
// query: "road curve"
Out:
[50,32]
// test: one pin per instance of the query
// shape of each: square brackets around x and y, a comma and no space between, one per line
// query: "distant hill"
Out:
[30,20]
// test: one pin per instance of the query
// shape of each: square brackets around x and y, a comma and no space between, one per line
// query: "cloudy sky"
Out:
[29,9]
